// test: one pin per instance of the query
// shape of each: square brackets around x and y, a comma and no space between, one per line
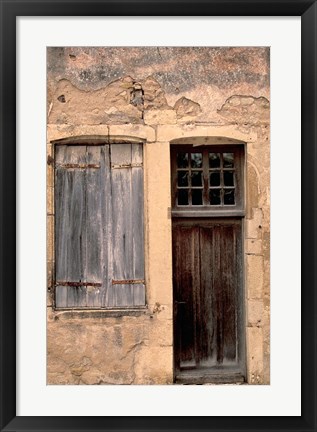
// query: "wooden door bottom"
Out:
[209,376]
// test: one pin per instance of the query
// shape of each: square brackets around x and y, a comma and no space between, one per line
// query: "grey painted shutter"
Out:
[99,226]
[127,287]
[78,227]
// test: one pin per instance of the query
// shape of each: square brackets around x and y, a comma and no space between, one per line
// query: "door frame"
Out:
[208,215]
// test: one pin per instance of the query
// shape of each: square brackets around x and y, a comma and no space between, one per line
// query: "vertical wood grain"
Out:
[70,226]
[206,325]
[99,225]
[106,210]
[229,303]
[122,227]
[94,230]
[186,269]
[207,277]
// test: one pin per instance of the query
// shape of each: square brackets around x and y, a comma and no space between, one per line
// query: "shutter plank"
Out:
[94,232]
[76,260]
[106,210]
[138,224]
[61,296]
[139,295]
[70,226]
[122,238]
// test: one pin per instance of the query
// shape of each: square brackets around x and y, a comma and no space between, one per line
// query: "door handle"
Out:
[180,302]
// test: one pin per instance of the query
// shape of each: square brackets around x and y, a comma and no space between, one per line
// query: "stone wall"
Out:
[214,95]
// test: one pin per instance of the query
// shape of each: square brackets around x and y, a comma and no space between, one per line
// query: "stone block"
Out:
[266,282]
[50,200]
[159,116]
[266,369]
[255,313]
[160,330]
[253,247]
[136,131]
[254,225]
[170,132]
[50,273]
[246,110]
[252,189]
[49,176]
[50,150]
[50,238]
[185,107]
[266,339]
[154,366]
[157,159]
[254,276]
[254,355]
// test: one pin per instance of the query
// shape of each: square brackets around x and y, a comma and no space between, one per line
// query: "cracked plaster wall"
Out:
[160,94]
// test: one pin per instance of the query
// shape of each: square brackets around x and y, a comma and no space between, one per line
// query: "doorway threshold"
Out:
[199,376]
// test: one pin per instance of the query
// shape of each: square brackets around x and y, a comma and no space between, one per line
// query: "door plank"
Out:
[206,326]
[186,278]
[229,303]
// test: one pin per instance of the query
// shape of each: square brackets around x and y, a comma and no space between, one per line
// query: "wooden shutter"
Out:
[99,226]
[127,287]
[78,225]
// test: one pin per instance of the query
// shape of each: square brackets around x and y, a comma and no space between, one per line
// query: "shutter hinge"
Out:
[134,165]
[128,281]
[78,166]
[78,284]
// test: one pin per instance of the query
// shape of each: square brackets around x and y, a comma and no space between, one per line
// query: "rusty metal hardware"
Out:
[78,166]
[131,165]
[128,281]
[78,284]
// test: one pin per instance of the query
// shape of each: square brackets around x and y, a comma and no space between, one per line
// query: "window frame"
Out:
[238,209]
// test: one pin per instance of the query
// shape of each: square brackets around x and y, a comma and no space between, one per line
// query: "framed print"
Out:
[150,167]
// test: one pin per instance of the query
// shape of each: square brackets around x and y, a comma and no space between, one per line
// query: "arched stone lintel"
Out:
[98,140]
[138,133]
[206,140]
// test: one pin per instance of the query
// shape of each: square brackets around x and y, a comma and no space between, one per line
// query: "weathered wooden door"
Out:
[208,300]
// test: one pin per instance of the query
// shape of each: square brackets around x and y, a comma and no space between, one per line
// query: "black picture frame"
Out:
[307,9]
